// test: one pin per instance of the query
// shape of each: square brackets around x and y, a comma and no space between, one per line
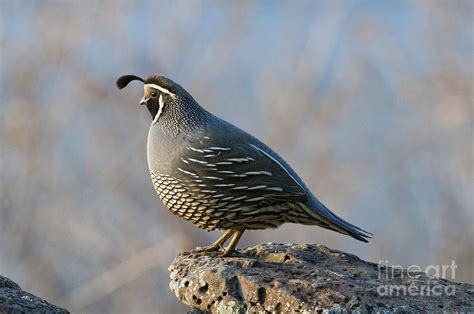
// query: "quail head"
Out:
[219,177]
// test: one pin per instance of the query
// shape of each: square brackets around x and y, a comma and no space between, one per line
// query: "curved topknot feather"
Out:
[124,80]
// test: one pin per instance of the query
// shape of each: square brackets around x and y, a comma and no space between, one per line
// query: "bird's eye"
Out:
[154,94]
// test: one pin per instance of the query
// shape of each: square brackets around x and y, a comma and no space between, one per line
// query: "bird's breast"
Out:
[162,150]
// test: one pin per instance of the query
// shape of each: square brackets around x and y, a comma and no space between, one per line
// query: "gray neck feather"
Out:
[181,116]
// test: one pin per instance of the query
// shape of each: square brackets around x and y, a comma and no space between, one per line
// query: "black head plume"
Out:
[124,80]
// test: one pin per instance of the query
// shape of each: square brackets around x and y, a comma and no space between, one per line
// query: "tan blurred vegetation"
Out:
[371,102]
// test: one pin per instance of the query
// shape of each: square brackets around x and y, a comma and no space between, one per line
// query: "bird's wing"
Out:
[243,172]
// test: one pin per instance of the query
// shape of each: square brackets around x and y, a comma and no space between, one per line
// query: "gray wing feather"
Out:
[243,170]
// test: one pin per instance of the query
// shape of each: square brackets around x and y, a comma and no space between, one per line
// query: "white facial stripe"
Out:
[161,89]
[160,109]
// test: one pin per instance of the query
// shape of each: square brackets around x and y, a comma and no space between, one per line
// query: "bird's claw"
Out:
[208,248]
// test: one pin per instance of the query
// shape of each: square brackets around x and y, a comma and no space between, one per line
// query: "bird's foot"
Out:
[228,253]
[213,251]
[208,248]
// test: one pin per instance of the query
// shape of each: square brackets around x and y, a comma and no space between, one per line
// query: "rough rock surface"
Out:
[14,300]
[307,278]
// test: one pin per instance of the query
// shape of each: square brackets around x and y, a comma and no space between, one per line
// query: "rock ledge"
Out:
[14,300]
[307,278]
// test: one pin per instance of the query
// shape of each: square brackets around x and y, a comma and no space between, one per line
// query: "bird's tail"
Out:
[327,219]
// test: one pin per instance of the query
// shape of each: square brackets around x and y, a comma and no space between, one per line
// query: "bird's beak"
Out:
[143,101]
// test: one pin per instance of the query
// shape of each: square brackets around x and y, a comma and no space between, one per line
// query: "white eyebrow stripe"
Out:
[161,89]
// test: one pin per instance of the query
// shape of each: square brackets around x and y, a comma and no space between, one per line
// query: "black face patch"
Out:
[153,107]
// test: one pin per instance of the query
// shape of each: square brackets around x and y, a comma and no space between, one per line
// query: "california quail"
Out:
[217,176]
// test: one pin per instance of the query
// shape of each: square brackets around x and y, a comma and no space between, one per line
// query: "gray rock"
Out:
[307,278]
[14,300]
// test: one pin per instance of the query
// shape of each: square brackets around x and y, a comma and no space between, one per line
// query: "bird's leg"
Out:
[231,247]
[218,244]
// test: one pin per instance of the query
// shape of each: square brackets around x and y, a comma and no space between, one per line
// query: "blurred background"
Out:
[371,102]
